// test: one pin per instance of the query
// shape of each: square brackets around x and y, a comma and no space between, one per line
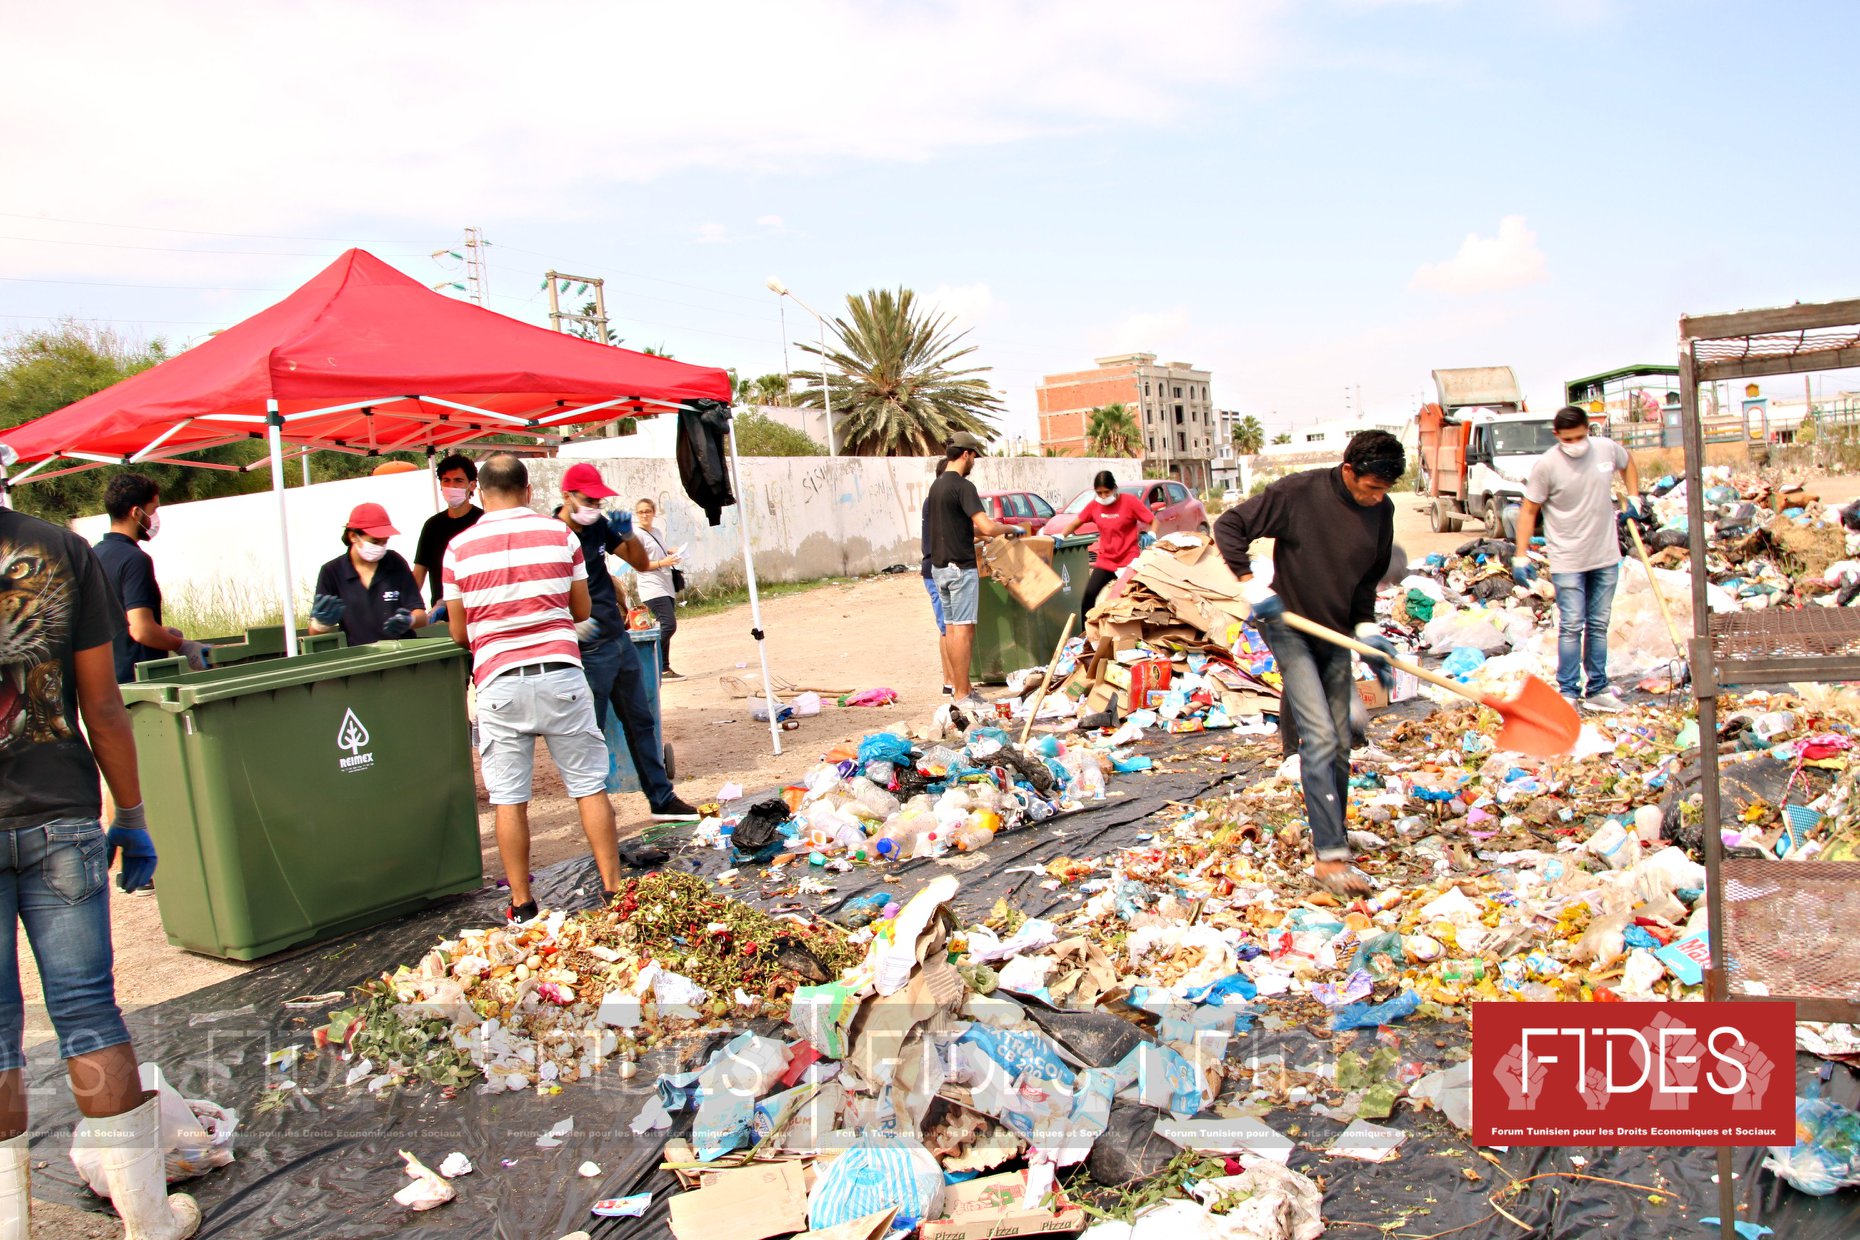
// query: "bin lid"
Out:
[191,689]
[1062,542]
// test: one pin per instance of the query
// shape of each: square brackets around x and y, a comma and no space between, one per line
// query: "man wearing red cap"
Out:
[608,657]
[367,591]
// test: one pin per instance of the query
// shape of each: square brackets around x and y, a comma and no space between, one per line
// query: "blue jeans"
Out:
[52,878]
[1583,604]
[1318,692]
[936,605]
[615,674]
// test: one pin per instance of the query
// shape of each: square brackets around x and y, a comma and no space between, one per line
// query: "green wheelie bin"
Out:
[297,798]
[1009,636]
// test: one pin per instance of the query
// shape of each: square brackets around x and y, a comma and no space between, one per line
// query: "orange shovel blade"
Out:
[1539,721]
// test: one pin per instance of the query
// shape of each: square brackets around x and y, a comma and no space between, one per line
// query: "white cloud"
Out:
[1488,264]
[283,119]
[967,304]
[710,233]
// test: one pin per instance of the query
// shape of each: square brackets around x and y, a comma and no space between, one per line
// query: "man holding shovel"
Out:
[1333,532]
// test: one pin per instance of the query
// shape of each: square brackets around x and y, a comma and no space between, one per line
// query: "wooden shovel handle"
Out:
[1295,621]
[1065,635]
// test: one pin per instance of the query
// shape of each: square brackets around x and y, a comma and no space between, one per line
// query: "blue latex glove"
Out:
[620,521]
[398,625]
[1266,606]
[129,831]
[326,610]
[1370,635]
[438,614]
[1633,511]
[1522,570]
[1146,540]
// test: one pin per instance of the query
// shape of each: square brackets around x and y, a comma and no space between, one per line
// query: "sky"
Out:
[1320,202]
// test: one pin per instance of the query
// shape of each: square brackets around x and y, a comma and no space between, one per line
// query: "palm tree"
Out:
[895,388]
[771,389]
[1249,435]
[1112,431]
[1282,437]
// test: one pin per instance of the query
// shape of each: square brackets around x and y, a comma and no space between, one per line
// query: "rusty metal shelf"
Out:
[1789,931]
[1778,647]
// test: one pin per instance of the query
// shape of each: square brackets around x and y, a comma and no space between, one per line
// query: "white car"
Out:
[1231,495]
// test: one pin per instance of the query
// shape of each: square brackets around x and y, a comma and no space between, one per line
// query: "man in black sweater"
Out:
[1333,531]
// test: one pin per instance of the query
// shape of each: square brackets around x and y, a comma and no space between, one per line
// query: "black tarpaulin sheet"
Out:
[324,1162]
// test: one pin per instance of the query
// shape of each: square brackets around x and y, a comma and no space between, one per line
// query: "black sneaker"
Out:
[516,914]
[675,810]
[669,674]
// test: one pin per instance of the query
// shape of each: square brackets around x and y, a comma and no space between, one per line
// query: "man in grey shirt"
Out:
[1573,487]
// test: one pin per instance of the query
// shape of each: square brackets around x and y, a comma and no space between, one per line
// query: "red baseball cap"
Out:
[587,480]
[372,520]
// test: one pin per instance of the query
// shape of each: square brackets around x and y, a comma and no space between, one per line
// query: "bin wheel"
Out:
[671,762]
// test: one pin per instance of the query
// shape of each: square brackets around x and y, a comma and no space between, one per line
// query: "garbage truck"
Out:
[1477,443]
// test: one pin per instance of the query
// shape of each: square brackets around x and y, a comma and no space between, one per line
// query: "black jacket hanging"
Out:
[703,456]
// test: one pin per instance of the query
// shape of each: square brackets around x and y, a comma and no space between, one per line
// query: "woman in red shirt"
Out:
[1119,520]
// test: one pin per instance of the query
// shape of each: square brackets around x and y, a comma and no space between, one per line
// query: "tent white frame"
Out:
[445,431]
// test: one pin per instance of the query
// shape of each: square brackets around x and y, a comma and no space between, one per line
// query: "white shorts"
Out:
[557,705]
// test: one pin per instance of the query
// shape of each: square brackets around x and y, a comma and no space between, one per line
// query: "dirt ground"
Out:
[864,634]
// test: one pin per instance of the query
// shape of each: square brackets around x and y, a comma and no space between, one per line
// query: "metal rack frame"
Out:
[1763,905]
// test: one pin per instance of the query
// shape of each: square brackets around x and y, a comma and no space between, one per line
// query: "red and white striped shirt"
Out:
[512,573]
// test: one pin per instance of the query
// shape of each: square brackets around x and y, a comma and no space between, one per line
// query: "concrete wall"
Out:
[808,517]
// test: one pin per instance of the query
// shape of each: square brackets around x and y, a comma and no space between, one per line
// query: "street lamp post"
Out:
[826,388]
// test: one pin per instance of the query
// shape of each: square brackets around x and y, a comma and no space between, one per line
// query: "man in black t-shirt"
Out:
[58,619]
[458,478]
[134,504]
[954,520]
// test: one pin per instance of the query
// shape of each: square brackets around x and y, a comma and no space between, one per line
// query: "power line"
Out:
[180,249]
[202,232]
[203,288]
[78,318]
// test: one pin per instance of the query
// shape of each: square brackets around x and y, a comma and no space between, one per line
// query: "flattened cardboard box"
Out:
[989,1207]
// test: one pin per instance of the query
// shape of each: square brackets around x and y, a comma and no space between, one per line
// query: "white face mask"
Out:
[1575,451]
[1106,501]
[371,552]
[454,496]
[585,516]
[152,526]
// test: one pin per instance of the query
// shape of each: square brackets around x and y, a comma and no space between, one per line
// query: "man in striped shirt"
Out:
[515,585]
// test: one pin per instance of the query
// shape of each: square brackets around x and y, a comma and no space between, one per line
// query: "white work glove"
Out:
[1262,603]
[196,654]
[588,630]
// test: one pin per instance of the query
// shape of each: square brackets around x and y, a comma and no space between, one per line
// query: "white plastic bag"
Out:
[196,1135]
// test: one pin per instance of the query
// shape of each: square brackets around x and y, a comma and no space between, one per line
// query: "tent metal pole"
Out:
[274,430]
[755,601]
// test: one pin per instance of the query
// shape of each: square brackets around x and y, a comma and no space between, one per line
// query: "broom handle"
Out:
[1065,635]
[1293,620]
[1672,631]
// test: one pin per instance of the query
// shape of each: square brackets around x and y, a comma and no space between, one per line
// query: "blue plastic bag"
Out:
[1828,1160]
[1369,1015]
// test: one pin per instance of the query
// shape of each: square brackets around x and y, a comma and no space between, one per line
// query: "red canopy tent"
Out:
[363,359]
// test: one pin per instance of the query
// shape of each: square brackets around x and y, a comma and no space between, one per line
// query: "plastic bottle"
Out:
[977,831]
[928,844]
[1647,825]
[890,842]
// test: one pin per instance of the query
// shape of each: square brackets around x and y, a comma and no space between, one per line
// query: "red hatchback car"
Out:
[1176,508]
[1022,508]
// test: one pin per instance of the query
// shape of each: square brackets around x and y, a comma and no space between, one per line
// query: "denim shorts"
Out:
[960,590]
[557,705]
[53,880]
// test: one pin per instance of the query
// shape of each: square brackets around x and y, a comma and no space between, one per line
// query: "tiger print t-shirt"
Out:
[54,601]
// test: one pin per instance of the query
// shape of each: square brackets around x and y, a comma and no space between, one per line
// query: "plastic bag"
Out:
[1450,1092]
[1826,1154]
[877,1174]
[196,1135]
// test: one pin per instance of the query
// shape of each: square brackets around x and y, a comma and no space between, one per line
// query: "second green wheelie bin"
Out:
[297,798]
[1009,636]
